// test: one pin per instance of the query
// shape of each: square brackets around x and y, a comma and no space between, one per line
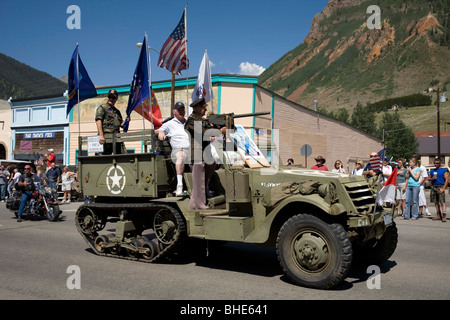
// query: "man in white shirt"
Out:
[179,141]
[387,169]
[422,197]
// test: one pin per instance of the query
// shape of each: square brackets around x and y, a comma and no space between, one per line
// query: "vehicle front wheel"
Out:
[314,253]
[53,212]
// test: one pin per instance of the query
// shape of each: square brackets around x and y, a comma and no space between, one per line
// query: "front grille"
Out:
[362,197]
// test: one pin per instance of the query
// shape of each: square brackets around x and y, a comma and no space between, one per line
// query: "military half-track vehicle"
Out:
[318,221]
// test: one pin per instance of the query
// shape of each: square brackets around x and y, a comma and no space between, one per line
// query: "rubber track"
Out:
[165,253]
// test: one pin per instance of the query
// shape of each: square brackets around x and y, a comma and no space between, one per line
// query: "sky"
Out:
[242,37]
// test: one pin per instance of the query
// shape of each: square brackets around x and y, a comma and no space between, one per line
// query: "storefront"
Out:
[39,124]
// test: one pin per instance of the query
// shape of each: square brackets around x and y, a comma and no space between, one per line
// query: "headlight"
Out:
[328,192]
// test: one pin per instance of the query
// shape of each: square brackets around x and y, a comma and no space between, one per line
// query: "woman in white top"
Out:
[66,184]
[338,168]
[358,171]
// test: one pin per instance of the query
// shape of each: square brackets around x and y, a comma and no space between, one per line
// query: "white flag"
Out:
[387,193]
[203,87]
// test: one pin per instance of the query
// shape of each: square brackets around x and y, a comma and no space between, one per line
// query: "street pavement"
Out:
[39,260]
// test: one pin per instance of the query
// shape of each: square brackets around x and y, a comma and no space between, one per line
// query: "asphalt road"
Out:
[37,259]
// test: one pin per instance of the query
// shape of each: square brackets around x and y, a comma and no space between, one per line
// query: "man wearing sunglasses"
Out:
[26,182]
[109,120]
[439,177]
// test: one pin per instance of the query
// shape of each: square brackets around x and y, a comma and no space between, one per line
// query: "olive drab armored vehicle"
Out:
[318,221]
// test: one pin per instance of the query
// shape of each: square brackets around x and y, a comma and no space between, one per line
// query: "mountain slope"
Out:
[342,61]
[18,80]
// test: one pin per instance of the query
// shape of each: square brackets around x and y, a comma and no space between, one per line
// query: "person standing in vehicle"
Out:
[109,120]
[202,171]
[439,178]
[26,182]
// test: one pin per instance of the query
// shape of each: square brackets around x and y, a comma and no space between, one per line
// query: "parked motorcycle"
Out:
[40,205]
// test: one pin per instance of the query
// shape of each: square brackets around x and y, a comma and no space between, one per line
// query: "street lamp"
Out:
[139,45]
[438,100]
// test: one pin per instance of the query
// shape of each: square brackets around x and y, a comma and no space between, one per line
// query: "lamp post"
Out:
[438,100]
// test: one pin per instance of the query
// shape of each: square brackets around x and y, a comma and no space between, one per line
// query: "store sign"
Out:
[39,135]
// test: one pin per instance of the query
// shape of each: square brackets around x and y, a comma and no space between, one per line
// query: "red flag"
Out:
[173,54]
[387,193]
[156,111]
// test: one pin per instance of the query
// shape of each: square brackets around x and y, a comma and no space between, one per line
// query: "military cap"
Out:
[113,93]
[198,103]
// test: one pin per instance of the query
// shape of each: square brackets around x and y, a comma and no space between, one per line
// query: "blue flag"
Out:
[80,85]
[140,86]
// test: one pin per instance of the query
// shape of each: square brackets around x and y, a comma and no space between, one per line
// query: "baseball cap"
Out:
[178,105]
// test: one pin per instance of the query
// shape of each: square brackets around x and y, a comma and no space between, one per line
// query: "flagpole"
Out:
[78,94]
[172,94]
[210,79]
[187,61]
[149,83]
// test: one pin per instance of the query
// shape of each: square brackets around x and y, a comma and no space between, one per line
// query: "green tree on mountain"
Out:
[399,139]
[363,118]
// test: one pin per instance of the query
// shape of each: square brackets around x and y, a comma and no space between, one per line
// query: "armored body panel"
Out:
[318,221]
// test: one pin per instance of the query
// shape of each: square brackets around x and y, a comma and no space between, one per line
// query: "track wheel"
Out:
[87,221]
[314,253]
[149,249]
[100,243]
[134,251]
[168,225]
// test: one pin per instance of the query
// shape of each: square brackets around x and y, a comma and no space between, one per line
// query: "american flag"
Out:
[173,55]
[376,160]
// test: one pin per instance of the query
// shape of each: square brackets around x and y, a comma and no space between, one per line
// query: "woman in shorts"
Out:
[67,178]
[401,180]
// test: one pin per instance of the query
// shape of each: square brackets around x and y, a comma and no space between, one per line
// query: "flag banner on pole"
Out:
[387,193]
[79,82]
[144,110]
[173,53]
[376,160]
[203,87]
[140,91]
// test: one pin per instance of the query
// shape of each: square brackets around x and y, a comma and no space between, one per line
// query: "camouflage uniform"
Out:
[111,120]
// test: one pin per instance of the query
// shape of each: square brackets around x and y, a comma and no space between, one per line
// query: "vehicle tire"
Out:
[313,253]
[379,251]
[53,212]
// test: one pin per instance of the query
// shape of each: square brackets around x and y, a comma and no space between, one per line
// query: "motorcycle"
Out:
[40,205]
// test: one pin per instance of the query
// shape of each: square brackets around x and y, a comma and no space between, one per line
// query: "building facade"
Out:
[39,124]
[289,126]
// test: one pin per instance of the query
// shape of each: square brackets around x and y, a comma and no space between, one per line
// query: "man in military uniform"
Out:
[202,161]
[109,120]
